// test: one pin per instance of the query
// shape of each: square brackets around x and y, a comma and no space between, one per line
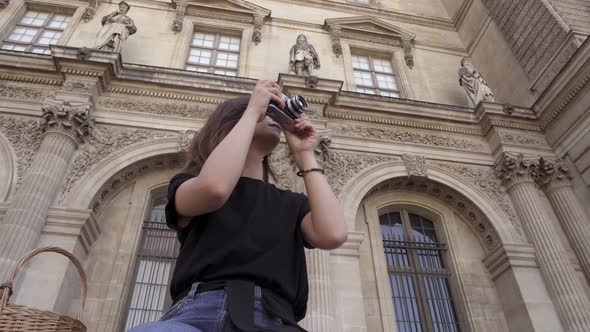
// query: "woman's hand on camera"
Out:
[302,141]
[264,92]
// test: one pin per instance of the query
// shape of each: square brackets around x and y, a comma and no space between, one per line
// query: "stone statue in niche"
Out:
[303,58]
[476,87]
[116,28]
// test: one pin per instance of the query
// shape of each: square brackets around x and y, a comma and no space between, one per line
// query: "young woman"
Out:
[242,265]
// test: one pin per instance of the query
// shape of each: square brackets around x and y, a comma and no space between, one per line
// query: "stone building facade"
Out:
[462,216]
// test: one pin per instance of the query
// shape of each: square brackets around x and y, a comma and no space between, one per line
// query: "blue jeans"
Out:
[205,312]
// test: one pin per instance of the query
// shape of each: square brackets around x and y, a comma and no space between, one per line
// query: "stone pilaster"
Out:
[320,309]
[554,178]
[568,295]
[65,125]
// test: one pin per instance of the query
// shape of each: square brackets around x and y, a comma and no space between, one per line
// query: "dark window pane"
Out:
[417,261]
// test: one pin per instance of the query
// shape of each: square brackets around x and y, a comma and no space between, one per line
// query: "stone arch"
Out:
[109,174]
[8,169]
[489,219]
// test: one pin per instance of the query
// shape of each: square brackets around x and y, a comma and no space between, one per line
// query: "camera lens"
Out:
[295,106]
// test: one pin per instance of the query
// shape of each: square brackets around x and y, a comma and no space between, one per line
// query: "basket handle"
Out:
[6,293]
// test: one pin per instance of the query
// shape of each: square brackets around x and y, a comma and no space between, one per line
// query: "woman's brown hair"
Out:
[218,125]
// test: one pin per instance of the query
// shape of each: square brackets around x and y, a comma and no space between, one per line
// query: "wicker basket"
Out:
[20,318]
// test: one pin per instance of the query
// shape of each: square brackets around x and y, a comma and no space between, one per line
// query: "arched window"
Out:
[156,256]
[418,275]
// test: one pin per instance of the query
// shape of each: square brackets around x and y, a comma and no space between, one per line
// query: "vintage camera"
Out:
[293,109]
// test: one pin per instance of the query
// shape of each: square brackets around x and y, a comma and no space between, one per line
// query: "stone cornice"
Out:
[113,77]
[79,223]
[510,255]
[565,88]
[380,12]
[352,245]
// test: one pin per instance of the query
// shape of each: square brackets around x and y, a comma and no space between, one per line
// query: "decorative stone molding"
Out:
[522,139]
[416,165]
[352,245]
[81,224]
[476,219]
[24,93]
[129,174]
[14,77]
[512,169]
[168,95]
[70,118]
[322,149]
[486,182]
[104,141]
[186,137]
[25,137]
[408,55]
[405,136]
[552,173]
[179,19]
[90,10]
[311,81]
[4,4]
[78,85]
[342,166]
[257,33]
[84,53]
[176,109]
[336,34]
[507,256]
[370,28]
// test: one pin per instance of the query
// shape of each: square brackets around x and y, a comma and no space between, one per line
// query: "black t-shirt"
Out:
[255,236]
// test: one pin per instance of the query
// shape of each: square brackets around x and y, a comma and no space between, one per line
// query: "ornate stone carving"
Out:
[512,169]
[90,11]
[322,148]
[186,137]
[78,86]
[23,93]
[342,166]
[84,53]
[303,58]
[552,173]
[475,86]
[486,181]
[476,219]
[105,141]
[404,136]
[25,137]
[116,28]
[520,138]
[508,109]
[4,3]
[176,109]
[416,165]
[408,56]
[131,173]
[179,19]
[283,166]
[311,81]
[336,34]
[257,33]
[65,116]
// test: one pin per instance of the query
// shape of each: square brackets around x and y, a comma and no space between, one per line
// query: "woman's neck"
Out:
[253,165]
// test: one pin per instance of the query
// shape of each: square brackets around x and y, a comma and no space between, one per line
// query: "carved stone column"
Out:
[257,32]
[570,298]
[553,177]
[65,125]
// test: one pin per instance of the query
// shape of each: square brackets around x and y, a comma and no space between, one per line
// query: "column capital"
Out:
[69,118]
[552,174]
[515,168]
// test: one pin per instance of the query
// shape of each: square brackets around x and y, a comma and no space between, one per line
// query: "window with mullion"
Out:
[374,76]
[35,31]
[214,53]
[418,276]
